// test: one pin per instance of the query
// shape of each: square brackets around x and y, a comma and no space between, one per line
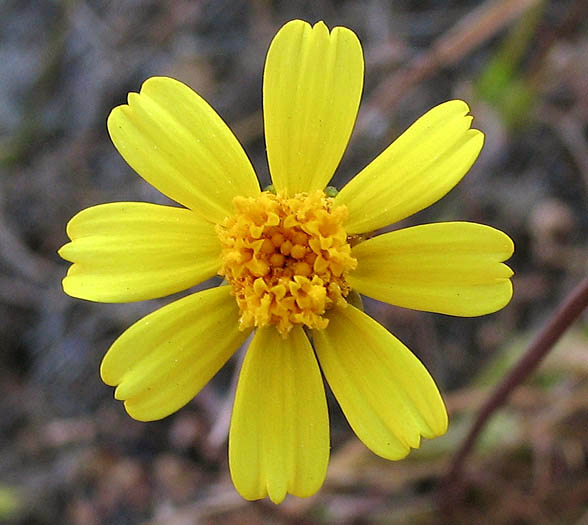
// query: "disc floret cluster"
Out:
[286,259]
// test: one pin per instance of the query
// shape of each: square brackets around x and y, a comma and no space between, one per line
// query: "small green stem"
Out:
[566,314]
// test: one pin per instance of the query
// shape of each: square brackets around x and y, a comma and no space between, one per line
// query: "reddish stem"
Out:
[565,315]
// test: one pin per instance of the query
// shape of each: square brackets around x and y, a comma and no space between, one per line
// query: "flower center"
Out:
[286,259]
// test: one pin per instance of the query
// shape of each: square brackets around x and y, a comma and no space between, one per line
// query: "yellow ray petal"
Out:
[130,251]
[449,267]
[279,438]
[172,138]
[163,360]
[385,392]
[415,171]
[311,90]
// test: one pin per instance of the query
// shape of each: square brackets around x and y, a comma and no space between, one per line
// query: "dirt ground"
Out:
[68,451]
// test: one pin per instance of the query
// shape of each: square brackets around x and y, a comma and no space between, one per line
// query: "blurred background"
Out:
[69,453]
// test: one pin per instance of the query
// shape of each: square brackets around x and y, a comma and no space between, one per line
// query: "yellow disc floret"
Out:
[286,259]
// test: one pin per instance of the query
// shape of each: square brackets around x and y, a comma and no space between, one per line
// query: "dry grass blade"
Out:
[469,33]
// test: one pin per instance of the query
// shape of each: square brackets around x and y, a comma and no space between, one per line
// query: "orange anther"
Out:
[298,251]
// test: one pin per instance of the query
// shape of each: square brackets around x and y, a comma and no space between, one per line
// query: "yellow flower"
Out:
[290,257]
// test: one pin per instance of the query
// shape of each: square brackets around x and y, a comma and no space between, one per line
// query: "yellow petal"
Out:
[311,90]
[415,171]
[279,437]
[385,392]
[449,267]
[130,251]
[172,138]
[163,360]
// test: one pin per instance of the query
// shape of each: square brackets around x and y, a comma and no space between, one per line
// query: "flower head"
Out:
[290,258]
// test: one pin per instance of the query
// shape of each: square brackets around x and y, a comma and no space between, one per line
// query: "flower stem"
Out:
[565,315]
